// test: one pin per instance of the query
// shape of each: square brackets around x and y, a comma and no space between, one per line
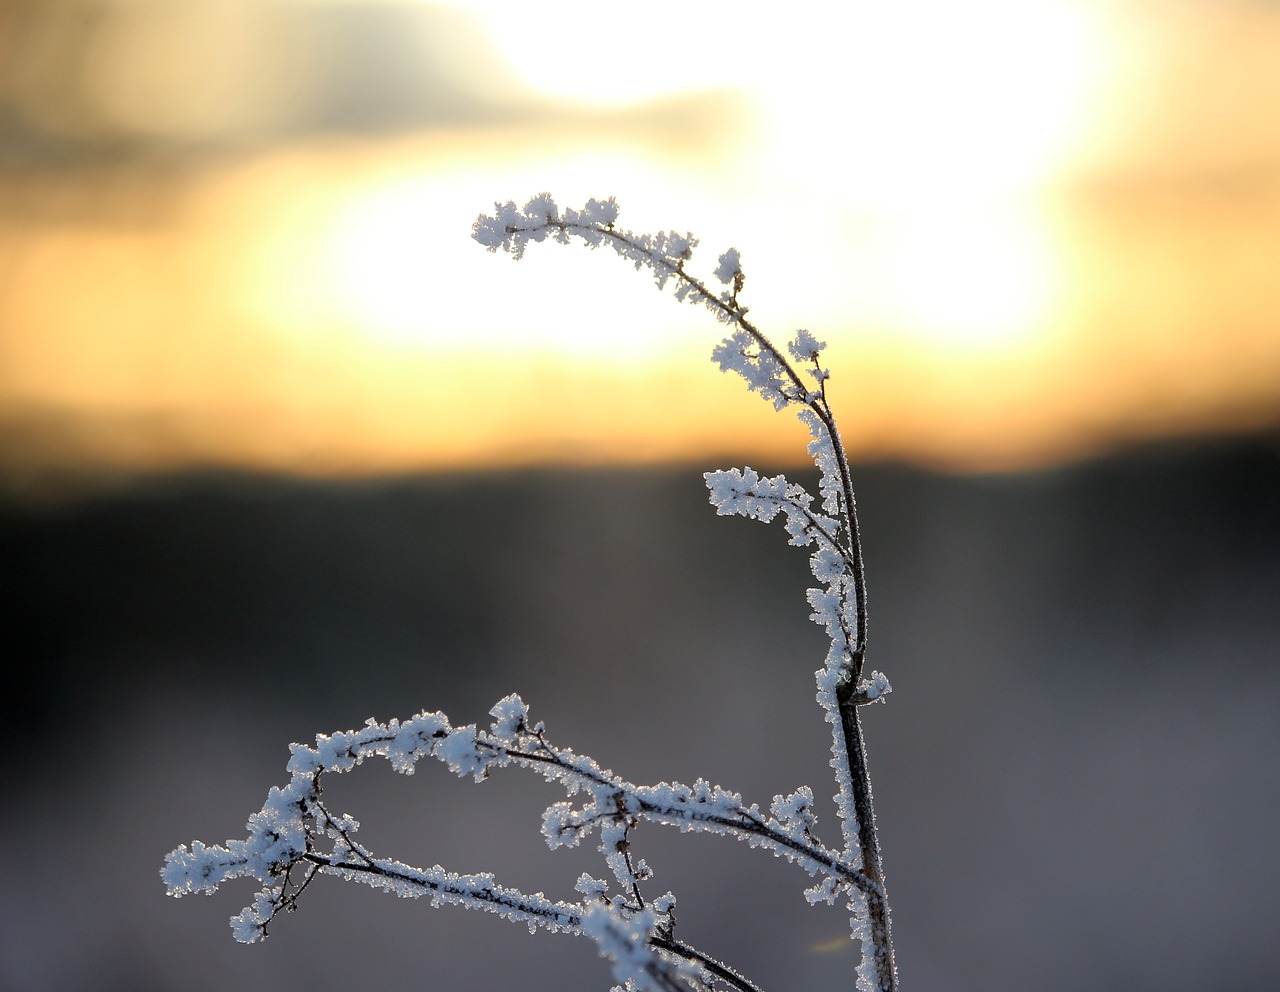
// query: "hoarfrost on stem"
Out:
[295,837]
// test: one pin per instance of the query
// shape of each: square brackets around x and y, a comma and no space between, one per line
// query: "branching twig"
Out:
[295,829]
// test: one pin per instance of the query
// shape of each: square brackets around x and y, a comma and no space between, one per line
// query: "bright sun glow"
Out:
[935,99]
[938,102]
[384,251]
[610,55]
[391,269]
[950,119]
[971,280]
[955,119]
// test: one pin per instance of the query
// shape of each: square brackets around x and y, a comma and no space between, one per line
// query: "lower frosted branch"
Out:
[446,888]
[295,834]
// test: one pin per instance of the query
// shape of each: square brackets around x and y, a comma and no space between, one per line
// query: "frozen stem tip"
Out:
[872,690]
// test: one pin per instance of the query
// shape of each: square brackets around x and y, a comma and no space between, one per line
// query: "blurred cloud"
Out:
[224,73]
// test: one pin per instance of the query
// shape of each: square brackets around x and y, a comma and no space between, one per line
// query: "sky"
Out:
[237,233]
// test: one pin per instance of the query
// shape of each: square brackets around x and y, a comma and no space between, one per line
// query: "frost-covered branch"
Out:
[295,833]
[746,351]
[840,606]
[295,838]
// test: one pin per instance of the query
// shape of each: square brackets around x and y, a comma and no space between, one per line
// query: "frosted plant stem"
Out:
[730,311]
[872,868]
[512,229]
[718,968]
[850,726]
[295,833]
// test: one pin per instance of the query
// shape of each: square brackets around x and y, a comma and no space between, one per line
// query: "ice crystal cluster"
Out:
[295,837]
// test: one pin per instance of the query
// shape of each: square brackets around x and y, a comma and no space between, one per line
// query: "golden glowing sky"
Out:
[1029,229]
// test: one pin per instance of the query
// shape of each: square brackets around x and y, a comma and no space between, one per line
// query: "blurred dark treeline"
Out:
[1078,773]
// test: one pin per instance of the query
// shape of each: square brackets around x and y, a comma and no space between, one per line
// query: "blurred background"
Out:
[281,448]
